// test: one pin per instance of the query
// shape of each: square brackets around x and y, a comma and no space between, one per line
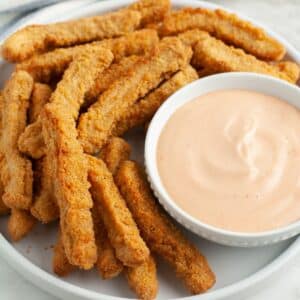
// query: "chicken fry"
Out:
[31,141]
[60,263]
[40,38]
[16,95]
[227,27]
[160,233]
[44,67]
[122,230]
[215,55]
[95,127]
[44,207]
[107,264]
[142,111]
[40,96]
[114,152]
[143,280]
[192,37]
[291,69]
[69,165]
[20,223]
[151,10]
[107,78]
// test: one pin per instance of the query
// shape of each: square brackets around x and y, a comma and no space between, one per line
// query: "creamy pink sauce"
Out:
[231,159]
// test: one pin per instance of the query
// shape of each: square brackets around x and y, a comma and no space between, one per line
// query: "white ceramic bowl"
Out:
[246,81]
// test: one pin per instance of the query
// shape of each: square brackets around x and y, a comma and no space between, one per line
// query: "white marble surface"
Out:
[282,16]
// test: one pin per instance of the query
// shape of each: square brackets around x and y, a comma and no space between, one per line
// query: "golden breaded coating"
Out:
[69,165]
[142,111]
[60,263]
[40,96]
[107,78]
[95,126]
[34,39]
[159,232]
[44,207]
[114,152]
[31,141]
[108,265]
[122,230]
[291,69]
[4,210]
[151,10]
[143,280]
[20,223]
[16,95]
[45,67]
[192,37]
[216,56]
[227,27]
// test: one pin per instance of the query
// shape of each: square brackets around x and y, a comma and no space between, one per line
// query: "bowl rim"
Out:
[51,283]
[151,163]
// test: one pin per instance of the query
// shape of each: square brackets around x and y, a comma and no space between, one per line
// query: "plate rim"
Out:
[50,283]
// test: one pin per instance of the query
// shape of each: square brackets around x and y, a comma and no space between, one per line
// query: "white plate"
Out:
[240,272]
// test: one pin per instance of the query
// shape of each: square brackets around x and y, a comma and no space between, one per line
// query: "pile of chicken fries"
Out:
[77,88]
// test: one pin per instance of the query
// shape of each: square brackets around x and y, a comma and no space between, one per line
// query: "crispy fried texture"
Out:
[40,38]
[44,67]
[69,165]
[44,207]
[20,223]
[107,78]
[40,96]
[215,55]
[60,263]
[143,280]
[291,69]
[108,265]
[151,10]
[31,141]
[114,152]
[16,95]
[122,230]
[4,210]
[192,37]
[95,127]
[227,27]
[160,233]
[142,111]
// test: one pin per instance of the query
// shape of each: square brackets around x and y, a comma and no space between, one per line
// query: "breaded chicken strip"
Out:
[108,265]
[216,56]
[40,96]
[192,37]
[31,141]
[143,280]
[60,263]
[160,233]
[122,230]
[34,39]
[44,207]
[114,152]
[142,111]
[107,78]
[69,165]
[290,69]
[45,67]
[16,95]
[95,127]
[227,27]
[152,11]
[20,223]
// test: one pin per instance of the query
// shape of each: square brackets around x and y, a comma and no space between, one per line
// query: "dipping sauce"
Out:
[231,159]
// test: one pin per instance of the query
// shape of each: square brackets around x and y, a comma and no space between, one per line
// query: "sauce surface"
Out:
[231,159]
